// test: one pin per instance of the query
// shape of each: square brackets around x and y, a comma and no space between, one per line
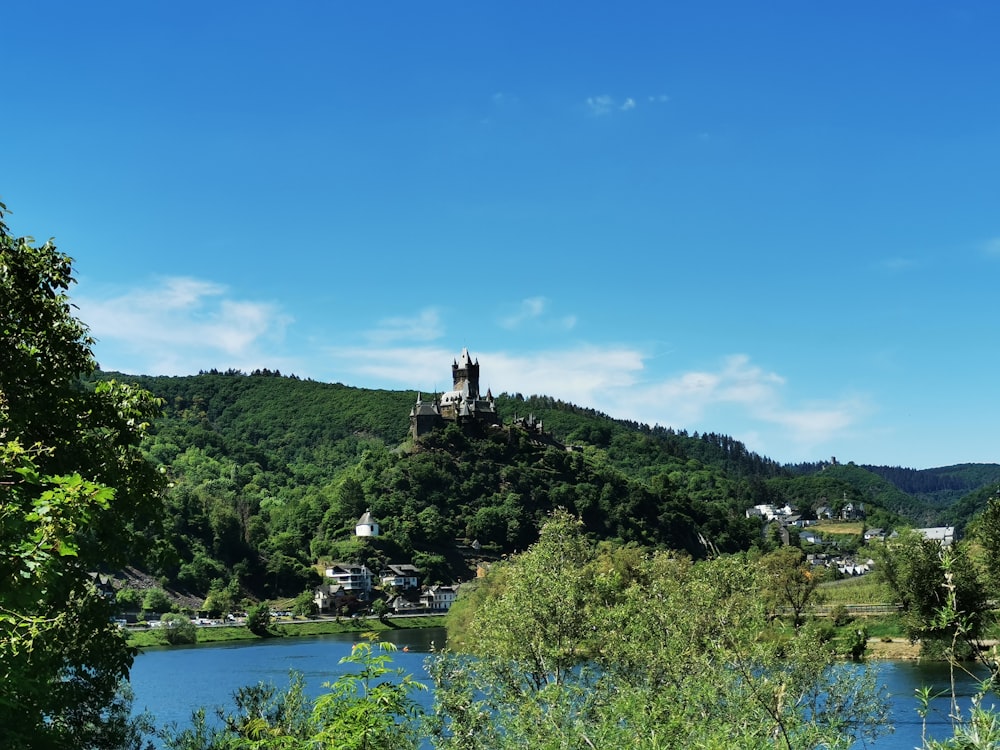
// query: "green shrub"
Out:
[178,629]
[259,619]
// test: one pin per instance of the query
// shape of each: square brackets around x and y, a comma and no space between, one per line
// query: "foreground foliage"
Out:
[578,646]
[574,649]
[75,492]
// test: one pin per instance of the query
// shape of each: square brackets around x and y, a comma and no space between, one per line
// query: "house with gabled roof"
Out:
[945,535]
[400,577]
[439,597]
[350,577]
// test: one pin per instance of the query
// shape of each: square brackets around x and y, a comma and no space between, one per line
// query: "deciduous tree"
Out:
[915,570]
[577,650]
[791,585]
[74,491]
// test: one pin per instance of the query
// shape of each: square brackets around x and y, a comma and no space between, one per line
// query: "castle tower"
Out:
[424,417]
[465,375]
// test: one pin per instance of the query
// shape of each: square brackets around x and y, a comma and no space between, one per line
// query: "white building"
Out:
[943,534]
[367,525]
[439,597]
[400,577]
[355,578]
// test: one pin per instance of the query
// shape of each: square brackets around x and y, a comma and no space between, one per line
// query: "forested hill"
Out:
[270,473]
[944,487]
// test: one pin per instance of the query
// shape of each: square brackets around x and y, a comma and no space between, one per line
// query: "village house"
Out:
[439,597]
[810,537]
[849,567]
[402,606]
[852,512]
[769,512]
[350,577]
[400,577]
[945,535]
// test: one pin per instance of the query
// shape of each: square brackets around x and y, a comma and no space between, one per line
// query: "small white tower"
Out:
[366,526]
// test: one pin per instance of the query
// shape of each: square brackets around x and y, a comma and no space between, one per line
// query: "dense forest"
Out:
[269,473]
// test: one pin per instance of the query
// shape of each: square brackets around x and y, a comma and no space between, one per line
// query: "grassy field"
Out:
[854,528]
[289,628]
[860,590]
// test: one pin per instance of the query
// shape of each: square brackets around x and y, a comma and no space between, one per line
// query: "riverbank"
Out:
[291,628]
[892,649]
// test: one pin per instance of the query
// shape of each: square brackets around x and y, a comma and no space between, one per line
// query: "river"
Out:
[173,682]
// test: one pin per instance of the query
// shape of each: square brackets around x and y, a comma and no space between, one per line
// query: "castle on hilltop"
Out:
[462,405]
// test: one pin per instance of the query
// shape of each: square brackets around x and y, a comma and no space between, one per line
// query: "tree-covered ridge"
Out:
[270,474]
[877,493]
[640,449]
[956,493]
[960,478]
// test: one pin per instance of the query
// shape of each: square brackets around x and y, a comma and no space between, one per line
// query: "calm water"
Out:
[173,682]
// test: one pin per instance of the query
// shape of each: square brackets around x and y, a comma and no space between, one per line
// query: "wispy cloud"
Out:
[424,326]
[529,309]
[991,248]
[897,264]
[179,325]
[600,105]
[503,99]
[534,309]
[605,104]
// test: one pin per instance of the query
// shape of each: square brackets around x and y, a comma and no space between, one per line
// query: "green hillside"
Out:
[269,474]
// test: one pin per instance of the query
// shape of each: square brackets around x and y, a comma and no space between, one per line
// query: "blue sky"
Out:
[778,221]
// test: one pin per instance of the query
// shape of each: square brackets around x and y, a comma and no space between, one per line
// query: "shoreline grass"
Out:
[291,628]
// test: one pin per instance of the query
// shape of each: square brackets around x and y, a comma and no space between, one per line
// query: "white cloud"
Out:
[179,326]
[426,326]
[534,309]
[741,393]
[529,309]
[605,105]
[600,105]
[991,248]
